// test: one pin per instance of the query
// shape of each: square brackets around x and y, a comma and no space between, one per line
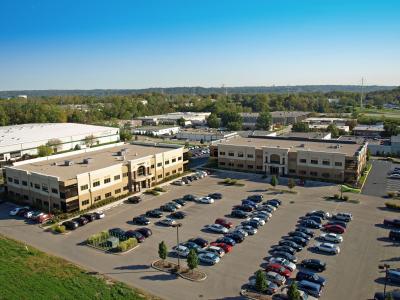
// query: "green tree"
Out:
[125,135]
[90,140]
[3,117]
[162,250]
[300,127]
[293,293]
[261,281]
[192,260]
[44,150]
[213,121]
[231,120]
[181,121]
[332,128]
[274,180]
[391,129]
[291,183]
[55,144]
[368,154]
[264,120]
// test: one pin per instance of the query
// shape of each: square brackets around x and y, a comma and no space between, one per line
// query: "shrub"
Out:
[159,189]
[336,196]
[58,228]
[274,180]
[392,205]
[192,260]
[293,293]
[291,183]
[152,192]
[261,281]
[128,244]
[162,250]
[391,194]
[346,198]
[98,238]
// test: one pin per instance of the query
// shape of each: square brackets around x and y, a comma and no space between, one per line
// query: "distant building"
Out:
[205,135]
[193,118]
[156,130]
[22,96]
[333,100]
[278,118]
[316,135]
[132,123]
[369,130]
[323,123]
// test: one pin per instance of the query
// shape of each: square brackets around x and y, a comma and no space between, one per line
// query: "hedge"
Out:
[159,189]
[98,237]
[152,192]
[392,205]
[128,244]
[58,228]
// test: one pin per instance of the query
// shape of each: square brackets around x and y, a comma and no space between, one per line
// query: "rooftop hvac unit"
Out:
[88,160]
[68,163]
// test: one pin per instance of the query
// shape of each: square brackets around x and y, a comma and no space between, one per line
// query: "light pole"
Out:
[386,268]
[177,242]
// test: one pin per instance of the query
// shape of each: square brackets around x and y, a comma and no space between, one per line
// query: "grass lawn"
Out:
[34,274]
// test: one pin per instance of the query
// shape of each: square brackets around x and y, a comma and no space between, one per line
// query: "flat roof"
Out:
[295,144]
[378,127]
[155,127]
[28,133]
[100,159]
[306,135]
[177,115]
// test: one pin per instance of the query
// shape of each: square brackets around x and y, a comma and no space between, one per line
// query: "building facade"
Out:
[77,181]
[208,135]
[278,118]
[305,158]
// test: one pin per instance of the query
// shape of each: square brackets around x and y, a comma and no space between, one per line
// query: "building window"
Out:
[24,183]
[96,183]
[159,164]
[16,181]
[250,166]
[313,173]
[250,155]
[325,175]
[56,206]
[179,169]
[26,197]
[173,171]
[125,188]
[107,180]
[97,198]
[240,165]
[141,171]
[338,164]
[302,172]
[292,171]
[326,162]
[230,164]
[117,177]
[152,166]
[117,191]
[180,158]
[240,154]
[107,195]
[37,186]
[153,178]
[85,187]
[167,174]
[259,167]
[10,179]
[231,154]
[314,162]
[159,176]
[45,188]
[221,153]
[166,162]
[303,160]
[174,160]
[222,163]
[85,202]
[125,174]
[54,191]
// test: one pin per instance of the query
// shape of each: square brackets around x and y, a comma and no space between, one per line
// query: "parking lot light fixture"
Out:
[385,267]
[177,225]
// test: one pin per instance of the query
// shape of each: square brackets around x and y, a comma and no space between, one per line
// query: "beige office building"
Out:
[78,180]
[305,158]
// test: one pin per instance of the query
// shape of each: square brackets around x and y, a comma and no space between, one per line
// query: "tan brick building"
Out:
[78,180]
[305,158]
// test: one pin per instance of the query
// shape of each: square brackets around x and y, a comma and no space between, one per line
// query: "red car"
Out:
[281,270]
[334,228]
[44,218]
[227,248]
[224,223]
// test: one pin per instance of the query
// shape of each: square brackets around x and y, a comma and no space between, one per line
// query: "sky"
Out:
[88,44]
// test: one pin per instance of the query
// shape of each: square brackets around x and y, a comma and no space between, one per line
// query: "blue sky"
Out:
[90,44]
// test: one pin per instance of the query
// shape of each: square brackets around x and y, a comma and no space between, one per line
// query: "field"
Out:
[381,113]
[26,273]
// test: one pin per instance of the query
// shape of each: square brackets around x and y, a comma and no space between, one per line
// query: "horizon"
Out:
[69,45]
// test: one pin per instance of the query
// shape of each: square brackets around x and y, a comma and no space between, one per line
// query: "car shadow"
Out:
[397,258]
[384,239]
[381,280]
[133,267]
[380,225]
[205,230]
[315,251]
[160,277]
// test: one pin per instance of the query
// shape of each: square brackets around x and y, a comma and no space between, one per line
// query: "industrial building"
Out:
[332,160]
[156,130]
[18,140]
[369,130]
[205,135]
[278,118]
[191,118]
[75,181]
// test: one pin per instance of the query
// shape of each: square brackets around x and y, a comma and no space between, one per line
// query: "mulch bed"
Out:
[172,268]
[254,295]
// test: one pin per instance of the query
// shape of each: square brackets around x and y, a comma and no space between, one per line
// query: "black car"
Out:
[215,196]
[70,225]
[318,213]
[134,199]
[155,213]
[314,218]
[146,232]
[298,240]
[185,180]
[300,234]
[381,296]
[251,223]
[141,220]
[285,255]
[310,224]
[189,197]
[335,222]
[266,208]
[239,214]
[314,264]
[89,217]
[287,249]
[118,232]
[291,244]
[273,203]
[81,221]
[22,211]
[180,201]
[200,241]
[244,207]
[310,276]
[238,238]
[178,215]
[307,231]
[135,234]
[255,198]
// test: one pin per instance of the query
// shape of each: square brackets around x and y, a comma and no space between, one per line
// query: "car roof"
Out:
[310,284]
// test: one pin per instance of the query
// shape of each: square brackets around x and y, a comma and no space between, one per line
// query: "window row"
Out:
[37,186]
[324,162]
[239,154]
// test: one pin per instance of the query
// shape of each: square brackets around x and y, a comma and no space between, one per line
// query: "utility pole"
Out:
[386,268]
[362,93]
[177,243]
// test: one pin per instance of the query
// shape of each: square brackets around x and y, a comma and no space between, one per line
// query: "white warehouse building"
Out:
[18,140]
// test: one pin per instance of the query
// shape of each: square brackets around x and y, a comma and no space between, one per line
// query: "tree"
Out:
[368,154]
[90,140]
[264,121]
[231,120]
[332,128]
[293,293]
[44,150]
[274,180]
[54,144]
[125,135]
[213,121]
[181,121]
[300,127]
[162,250]
[391,129]
[291,183]
[192,260]
[261,281]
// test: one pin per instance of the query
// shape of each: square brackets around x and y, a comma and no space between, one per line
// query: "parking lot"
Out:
[352,274]
[378,184]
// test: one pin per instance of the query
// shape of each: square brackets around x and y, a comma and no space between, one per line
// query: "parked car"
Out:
[134,199]
[70,225]
[178,182]
[251,223]
[277,268]
[307,231]
[200,241]
[30,213]
[347,217]
[285,255]
[146,232]
[260,221]
[290,244]
[395,294]
[226,240]
[192,245]
[90,217]
[15,211]
[310,224]
[180,201]
[238,238]
[135,234]
[178,215]
[276,278]
[320,213]
[249,229]
[118,232]
[168,208]
[240,231]
[337,222]
[181,250]
[287,249]
[240,214]
[256,198]
[214,249]
[224,222]
[334,228]
[327,248]
[43,218]
[284,262]
[205,200]
[216,228]
[394,235]
[227,248]
[141,220]
[298,240]
[314,264]
[189,197]
[155,213]
[310,276]
[393,275]
[250,203]
[246,208]
[100,214]
[209,258]
[300,234]
[391,222]
[215,196]
[272,287]
[22,211]
[167,222]
[314,218]
[310,288]
[81,221]
[274,202]
[331,237]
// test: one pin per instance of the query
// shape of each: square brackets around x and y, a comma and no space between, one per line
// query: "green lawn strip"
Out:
[32,274]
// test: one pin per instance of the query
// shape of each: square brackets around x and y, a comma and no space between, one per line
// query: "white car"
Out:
[249,229]
[206,200]
[16,210]
[217,228]
[263,212]
[241,231]
[99,214]
[346,217]
[181,250]
[284,262]
[394,176]
[270,207]
[209,258]
[168,222]
[258,220]
[178,182]
[276,278]
[332,237]
[327,248]
[214,249]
